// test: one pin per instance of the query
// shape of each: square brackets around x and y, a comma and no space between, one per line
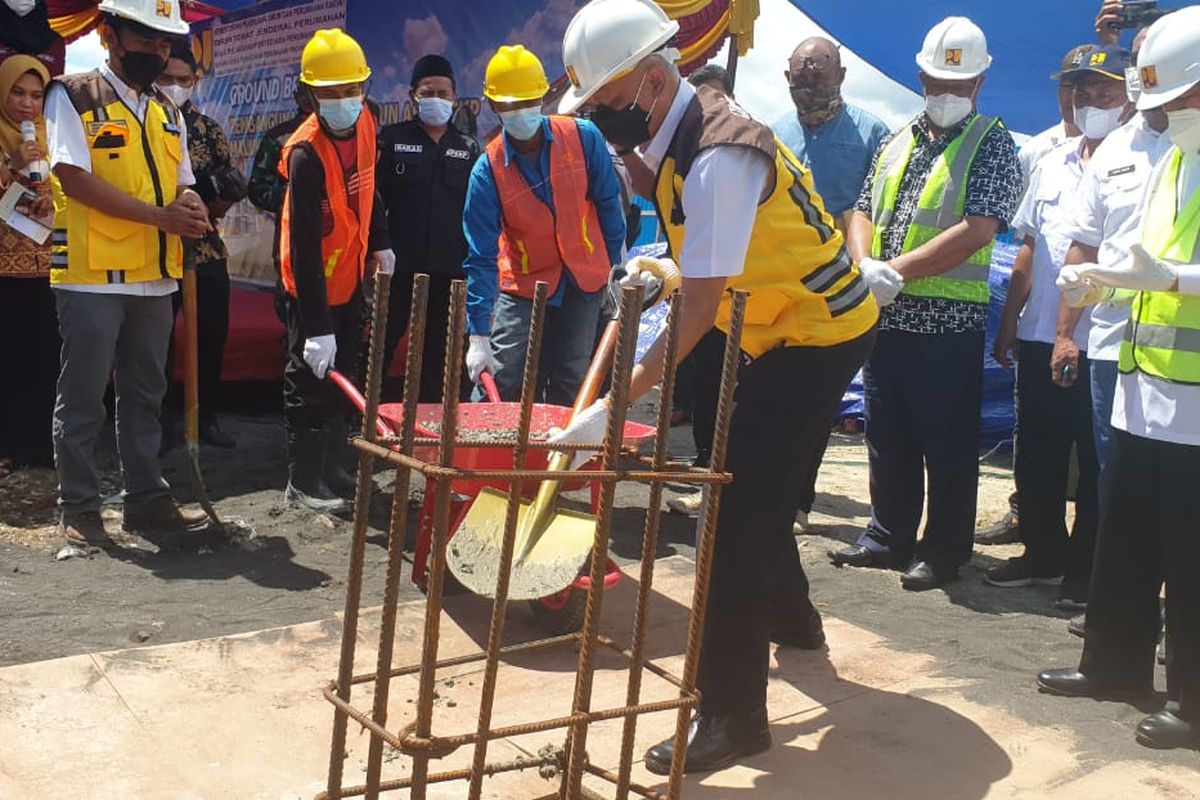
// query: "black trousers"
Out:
[704,385]
[1050,419]
[922,396]
[308,402]
[437,323]
[784,402]
[212,332]
[29,350]
[1149,534]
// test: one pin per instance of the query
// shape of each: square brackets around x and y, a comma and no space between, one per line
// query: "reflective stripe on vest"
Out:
[138,160]
[536,242]
[804,290]
[344,246]
[939,208]
[1162,337]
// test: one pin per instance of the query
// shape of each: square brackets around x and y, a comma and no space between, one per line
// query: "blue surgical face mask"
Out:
[523,123]
[434,111]
[340,113]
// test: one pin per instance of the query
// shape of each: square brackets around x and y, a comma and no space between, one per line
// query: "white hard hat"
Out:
[607,38]
[1169,61]
[161,15]
[954,50]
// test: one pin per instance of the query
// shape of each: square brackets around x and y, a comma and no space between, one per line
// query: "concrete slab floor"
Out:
[242,717]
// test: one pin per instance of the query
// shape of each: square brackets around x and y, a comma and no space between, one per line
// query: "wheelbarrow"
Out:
[561,612]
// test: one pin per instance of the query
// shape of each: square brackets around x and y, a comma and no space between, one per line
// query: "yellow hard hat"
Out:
[332,57]
[514,75]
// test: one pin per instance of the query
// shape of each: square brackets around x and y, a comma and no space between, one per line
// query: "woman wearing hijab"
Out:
[29,343]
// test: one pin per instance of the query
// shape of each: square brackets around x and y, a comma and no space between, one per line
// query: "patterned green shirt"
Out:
[210,154]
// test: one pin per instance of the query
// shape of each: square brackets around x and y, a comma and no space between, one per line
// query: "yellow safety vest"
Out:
[138,160]
[803,288]
[939,208]
[1162,337]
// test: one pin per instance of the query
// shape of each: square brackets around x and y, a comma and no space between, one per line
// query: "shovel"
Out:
[551,543]
[191,394]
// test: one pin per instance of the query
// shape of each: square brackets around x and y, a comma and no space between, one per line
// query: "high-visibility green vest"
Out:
[939,208]
[1162,337]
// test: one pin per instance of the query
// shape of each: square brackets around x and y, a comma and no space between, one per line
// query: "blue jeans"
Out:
[568,338]
[1104,386]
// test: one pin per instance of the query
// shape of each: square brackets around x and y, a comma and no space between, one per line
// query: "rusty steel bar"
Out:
[649,544]
[636,788]
[516,764]
[397,524]
[708,530]
[533,357]
[441,523]
[362,507]
[630,316]
[690,475]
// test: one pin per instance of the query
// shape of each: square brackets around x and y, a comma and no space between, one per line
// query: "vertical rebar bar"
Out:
[630,315]
[529,382]
[649,544]
[397,524]
[362,512]
[708,530]
[441,523]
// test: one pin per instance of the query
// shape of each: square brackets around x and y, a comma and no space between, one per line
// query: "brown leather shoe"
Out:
[84,528]
[162,515]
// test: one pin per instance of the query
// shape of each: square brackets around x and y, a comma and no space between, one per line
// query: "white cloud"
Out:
[85,53]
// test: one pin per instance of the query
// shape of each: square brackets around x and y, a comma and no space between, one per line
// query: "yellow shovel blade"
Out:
[551,566]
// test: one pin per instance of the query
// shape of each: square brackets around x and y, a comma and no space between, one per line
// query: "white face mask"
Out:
[178,94]
[21,7]
[434,111]
[945,110]
[1183,129]
[1096,123]
[523,123]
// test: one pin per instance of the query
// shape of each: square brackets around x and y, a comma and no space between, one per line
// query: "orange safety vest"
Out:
[536,242]
[344,246]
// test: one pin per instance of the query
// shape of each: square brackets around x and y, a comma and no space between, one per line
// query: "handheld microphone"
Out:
[29,134]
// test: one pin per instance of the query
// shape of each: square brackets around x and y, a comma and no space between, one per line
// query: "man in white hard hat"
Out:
[740,212]
[1150,506]
[939,191]
[118,146]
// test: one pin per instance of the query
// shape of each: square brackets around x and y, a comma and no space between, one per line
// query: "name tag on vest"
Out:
[408,148]
[1112,173]
[458,153]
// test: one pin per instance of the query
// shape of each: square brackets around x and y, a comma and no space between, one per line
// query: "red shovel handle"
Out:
[351,391]
[489,387]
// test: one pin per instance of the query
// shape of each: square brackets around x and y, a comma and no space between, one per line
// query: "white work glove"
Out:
[1145,274]
[883,281]
[319,352]
[1077,291]
[587,428]
[384,261]
[480,358]
[659,276]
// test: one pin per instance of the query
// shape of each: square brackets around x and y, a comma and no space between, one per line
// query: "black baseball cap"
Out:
[1106,59]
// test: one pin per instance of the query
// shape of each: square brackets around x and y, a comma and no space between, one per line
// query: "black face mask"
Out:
[624,128]
[141,69]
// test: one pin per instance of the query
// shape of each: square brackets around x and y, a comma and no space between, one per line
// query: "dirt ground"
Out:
[295,571]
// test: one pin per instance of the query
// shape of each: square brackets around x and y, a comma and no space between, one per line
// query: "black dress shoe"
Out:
[808,635]
[1073,683]
[921,577]
[1165,731]
[715,741]
[211,434]
[858,556]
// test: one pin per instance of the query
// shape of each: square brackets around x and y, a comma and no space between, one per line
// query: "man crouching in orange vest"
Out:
[331,225]
[543,204]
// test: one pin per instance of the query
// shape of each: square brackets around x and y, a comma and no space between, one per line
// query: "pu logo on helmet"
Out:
[1149,77]
[163,8]
[954,57]
[573,77]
